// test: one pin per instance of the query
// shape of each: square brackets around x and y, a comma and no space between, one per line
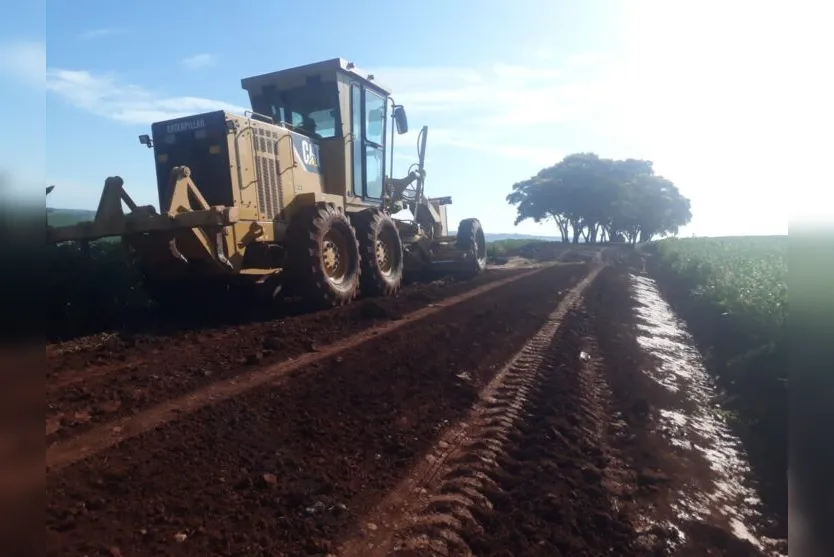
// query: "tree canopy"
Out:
[599,200]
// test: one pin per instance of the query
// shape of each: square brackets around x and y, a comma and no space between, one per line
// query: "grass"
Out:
[66,217]
[501,248]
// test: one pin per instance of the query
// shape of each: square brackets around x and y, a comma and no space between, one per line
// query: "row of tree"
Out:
[598,200]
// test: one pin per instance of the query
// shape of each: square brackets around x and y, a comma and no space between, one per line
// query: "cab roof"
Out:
[297,76]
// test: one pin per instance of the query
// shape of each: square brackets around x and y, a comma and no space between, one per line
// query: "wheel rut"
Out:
[94,380]
[292,466]
[430,512]
[65,453]
[523,422]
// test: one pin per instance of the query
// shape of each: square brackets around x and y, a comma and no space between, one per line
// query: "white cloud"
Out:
[481,103]
[107,96]
[405,157]
[527,73]
[198,61]
[100,33]
[466,108]
[586,59]
[504,93]
[24,62]
[495,143]
[539,53]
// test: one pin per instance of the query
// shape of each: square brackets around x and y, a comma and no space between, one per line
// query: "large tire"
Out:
[323,255]
[381,249]
[471,238]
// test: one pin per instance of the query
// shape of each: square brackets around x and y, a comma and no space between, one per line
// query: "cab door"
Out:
[368,123]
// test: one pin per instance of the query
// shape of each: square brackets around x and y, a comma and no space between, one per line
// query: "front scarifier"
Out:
[324,255]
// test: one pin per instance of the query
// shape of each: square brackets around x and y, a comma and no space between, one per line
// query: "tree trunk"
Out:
[564,232]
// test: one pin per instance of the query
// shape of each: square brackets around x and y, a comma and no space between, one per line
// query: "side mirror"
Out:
[400,119]
[146,141]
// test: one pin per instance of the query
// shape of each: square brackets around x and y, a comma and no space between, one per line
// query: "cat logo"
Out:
[308,155]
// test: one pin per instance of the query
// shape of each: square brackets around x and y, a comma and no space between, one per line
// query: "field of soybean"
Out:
[745,276]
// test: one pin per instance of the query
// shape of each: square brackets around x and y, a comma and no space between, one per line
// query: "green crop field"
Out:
[65,217]
[501,248]
[746,276]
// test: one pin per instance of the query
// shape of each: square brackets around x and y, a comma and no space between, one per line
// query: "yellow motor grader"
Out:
[294,194]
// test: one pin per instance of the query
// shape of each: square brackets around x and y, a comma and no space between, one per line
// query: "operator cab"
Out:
[311,109]
[344,110]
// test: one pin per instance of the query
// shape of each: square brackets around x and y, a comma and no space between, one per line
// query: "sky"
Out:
[710,91]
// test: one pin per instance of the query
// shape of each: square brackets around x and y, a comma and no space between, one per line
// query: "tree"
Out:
[597,199]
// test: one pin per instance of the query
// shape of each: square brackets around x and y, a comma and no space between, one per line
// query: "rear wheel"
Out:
[382,253]
[471,238]
[323,255]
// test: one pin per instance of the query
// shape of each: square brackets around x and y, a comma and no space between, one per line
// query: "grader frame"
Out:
[294,194]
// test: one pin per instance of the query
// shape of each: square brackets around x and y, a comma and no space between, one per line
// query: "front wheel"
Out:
[323,255]
[471,238]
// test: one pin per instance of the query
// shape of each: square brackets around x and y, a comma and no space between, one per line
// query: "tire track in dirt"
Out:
[290,467]
[84,389]
[82,446]
[662,474]
[711,499]
[429,512]
[64,380]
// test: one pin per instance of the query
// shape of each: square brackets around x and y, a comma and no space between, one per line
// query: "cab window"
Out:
[374,118]
[312,109]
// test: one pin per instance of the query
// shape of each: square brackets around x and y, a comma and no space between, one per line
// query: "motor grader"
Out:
[294,195]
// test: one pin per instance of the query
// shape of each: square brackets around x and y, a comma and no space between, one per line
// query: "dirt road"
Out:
[513,416]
